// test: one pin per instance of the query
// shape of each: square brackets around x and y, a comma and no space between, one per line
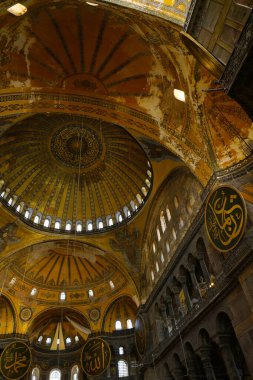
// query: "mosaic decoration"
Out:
[76,146]
[225,218]
[94,315]
[140,335]
[96,357]
[15,360]
[25,314]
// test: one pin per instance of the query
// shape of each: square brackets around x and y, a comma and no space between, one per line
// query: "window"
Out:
[174,234]
[48,340]
[33,292]
[109,220]
[144,191]
[181,223]
[40,338]
[62,296]
[68,340]
[118,216]
[148,182]
[10,201]
[163,222]
[158,234]
[176,203]
[122,368]
[154,247]
[57,224]
[133,205]
[35,374]
[126,211]
[149,173]
[121,350]
[47,222]
[12,281]
[167,247]
[139,198]
[118,325]
[79,227]
[157,266]
[89,225]
[74,372]
[129,324]
[111,284]
[68,225]
[168,213]
[152,276]
[76,338]
[36,219]
[179,95]
[162,258]
[27,215]
[18,209]
[55,374]
[100,224]
[91,293]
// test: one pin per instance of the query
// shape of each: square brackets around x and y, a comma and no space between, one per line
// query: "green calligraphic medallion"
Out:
[140,335]
[96,356]
[225,218]
[15,360]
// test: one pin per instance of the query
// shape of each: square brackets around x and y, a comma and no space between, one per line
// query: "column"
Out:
[228,358]
[171,316]
[204,270]
[205,353]
[195,283]
[182,279]
[178,311]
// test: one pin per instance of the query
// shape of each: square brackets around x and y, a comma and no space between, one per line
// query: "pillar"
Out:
[228,358]
[205,353]
[186,293]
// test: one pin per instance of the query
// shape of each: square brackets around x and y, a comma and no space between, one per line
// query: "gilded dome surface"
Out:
[73,174]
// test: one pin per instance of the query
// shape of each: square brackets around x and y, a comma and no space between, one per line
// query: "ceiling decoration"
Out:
[72,174]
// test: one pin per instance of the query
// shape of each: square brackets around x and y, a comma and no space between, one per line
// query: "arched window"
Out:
[111,284]
[181,223]
[33,292]
[28,213]
[158,234]
[118,216]
[18,209]
[47,221]
[174,233]
[144,191]
[10,201]
[91,293]
[89,225]
[55,374]
[40,338]
[163,221]
[118,325]
[176,203]
[157,266]
[37,218]
[68,225]
[121,350]
[152,276]
[57,224]
[168,213]
[35,374]
[154,247]
[162,258]
[68,340]
[48,340]
[126,211]
[129,324]
[133,205]
[109,220]
[62,296]
[148,182]
[139,198]
[79,226]
[100,224]
[122,368]
[149,173]
[167,247]
[74,372]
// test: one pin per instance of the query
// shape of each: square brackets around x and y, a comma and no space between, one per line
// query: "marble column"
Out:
[196,291]
[204,270]
[228,358]
[205,353]
[182,279]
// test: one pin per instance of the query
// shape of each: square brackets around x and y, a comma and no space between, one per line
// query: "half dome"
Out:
[72,174]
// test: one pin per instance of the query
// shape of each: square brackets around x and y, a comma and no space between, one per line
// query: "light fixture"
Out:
[92,4]
[17,9]
[179,95]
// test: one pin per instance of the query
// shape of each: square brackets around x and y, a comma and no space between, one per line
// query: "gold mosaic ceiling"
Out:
[69,169]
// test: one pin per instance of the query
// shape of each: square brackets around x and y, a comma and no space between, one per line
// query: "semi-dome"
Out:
[72,174]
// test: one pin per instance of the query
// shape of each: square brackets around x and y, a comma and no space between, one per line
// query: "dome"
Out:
[75,270]
[120,315]
[72,174]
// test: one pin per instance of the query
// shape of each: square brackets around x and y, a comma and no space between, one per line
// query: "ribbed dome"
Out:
[72,173]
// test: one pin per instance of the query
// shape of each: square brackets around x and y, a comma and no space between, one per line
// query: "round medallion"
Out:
[76,145]
[225,218]
[25,314]
[96,356]
[140,335]
[15,360]
[94,315]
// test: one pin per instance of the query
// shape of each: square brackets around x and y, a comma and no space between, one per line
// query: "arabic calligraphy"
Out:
[225,218]
[96,356]
[15,360]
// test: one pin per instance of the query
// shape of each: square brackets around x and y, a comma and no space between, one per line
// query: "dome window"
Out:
[68,340]
[40,338]
[100,224]
[144,191]
[10,202]
[48,340]
[68,226]
[109,220]
[176,203]
[47,222]
[111,284]
[129,324]
[62,296]
[89,225]
[35,374]
[162,258]
[28,213]
[167,247]
[154,247]
[163,222]
[118,325]
[57,225]
[18,209]
[179,95]
[181,223]
[17,9]
[55,374]
[126,211]
[76,338]
[118,217]
[158,234]
[79,226]
[174,234]
[148,182]
[12,281]
[152,276]
[36,219]
[121,350]
[157,266]
[149,173]
[168,213]
[133,205]
[91,293]
[139,198]
[33,292]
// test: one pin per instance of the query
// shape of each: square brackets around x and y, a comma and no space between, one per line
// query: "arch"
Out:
[55,374]
[122,368]
[47,222]
[74,372]
[35,373]
[7,316]
[122,309]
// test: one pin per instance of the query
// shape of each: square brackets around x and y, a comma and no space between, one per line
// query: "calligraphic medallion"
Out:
[140,335]
[96,356]
[225,218]
[15,360]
